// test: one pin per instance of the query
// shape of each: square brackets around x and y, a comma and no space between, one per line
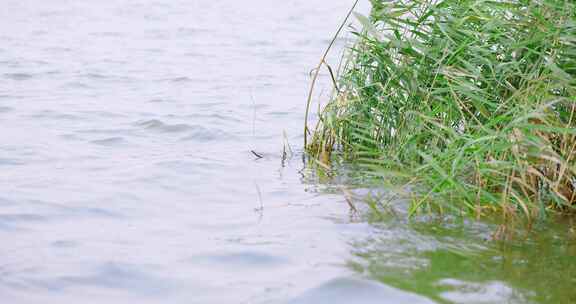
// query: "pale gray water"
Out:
[125,162]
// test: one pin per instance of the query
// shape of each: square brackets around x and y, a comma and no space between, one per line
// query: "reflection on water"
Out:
[341,291]
[459,263]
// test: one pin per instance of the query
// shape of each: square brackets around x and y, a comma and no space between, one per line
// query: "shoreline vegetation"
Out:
[470,104]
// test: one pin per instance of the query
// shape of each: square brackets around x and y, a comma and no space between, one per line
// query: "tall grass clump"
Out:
[472,101]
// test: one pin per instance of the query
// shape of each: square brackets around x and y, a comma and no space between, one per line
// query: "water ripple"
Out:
[350,290]
[18,76]
[192,132]
[241,259]
[111,141]
[158,125]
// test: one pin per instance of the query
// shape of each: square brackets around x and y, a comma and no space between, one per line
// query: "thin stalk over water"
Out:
[317,71]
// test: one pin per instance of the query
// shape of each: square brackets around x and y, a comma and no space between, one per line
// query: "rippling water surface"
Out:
[127,176]
[125,153]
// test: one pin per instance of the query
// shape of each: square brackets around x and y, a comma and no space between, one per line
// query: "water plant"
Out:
[472,102]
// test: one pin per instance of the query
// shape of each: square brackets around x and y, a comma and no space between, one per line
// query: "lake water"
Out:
[127,174]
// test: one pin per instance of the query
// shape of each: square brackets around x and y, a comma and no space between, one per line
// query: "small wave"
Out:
[101,114]
[10,162]
[160,100]
[467,292]
[95,76]
[352,290]
[247,259]
[14,221]
[204,134]
[157,125]
[154,51]
[106,131]
[39,33]
[110,275]
[179,79]
[188,31]
[48,114]
[64,244]
[106,34]
[18,76]
[105,76]
[58,49]
[193,132]
[21,217]
[76,85]
[214,117]
[195,54]
[190,167]
[112,141]
[207,105]
[259,43]
[280,113]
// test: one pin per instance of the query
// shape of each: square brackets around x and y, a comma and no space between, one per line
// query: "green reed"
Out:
[473,102]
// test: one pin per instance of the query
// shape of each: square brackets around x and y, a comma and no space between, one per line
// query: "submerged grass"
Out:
[472,101]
